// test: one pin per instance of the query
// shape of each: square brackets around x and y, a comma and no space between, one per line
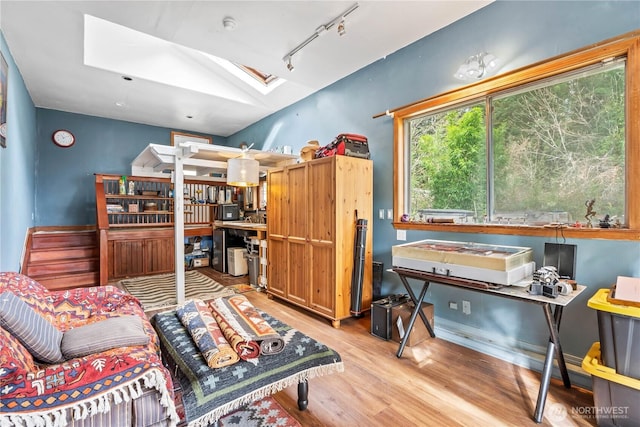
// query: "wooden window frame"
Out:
[627,45]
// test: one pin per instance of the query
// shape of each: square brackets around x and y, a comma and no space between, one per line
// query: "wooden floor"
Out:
[435,383]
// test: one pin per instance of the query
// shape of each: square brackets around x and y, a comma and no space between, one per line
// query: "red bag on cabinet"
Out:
[346,144]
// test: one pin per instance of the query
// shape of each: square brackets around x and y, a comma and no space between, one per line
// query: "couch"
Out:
[56,368]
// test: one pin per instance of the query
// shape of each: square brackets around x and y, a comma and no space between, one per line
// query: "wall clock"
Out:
[63,138]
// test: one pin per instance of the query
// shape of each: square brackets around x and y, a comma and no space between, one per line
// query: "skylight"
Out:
[124,51]
[262,82]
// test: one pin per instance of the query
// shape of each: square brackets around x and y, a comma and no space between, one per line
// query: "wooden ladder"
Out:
[62,257]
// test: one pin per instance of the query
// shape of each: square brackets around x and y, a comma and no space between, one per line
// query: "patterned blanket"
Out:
[35,395]
[242,324]
[209,394]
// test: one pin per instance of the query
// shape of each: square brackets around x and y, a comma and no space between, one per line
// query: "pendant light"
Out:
[243,171]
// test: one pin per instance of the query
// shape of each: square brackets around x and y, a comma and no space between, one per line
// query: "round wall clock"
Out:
[63,138]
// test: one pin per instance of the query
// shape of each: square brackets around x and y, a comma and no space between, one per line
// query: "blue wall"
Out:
[17,168]
[65,184]
[519,33]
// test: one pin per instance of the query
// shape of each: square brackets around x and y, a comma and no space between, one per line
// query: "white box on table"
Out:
[503,265]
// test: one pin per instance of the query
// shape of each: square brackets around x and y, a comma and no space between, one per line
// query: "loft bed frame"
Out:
[208,162]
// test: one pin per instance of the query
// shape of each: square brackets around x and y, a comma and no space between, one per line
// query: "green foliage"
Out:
[449,163]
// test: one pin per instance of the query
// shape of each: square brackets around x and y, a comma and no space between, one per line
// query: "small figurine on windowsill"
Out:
[605,222]
[590,212]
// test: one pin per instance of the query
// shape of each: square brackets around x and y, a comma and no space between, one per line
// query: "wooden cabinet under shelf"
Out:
[312,211]
[138,254]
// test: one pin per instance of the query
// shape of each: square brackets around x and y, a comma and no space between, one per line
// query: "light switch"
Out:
[389,213]
[381,214]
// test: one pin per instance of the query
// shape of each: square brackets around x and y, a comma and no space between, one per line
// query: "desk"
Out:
[512,292]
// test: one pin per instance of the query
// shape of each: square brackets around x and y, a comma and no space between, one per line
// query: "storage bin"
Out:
[619,329]
[615,396]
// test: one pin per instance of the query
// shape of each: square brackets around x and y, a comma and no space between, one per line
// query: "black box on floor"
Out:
[381,315]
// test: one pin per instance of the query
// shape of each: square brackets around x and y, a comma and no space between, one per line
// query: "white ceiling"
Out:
[47,41]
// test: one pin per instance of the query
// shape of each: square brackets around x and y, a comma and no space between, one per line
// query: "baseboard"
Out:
[508,349]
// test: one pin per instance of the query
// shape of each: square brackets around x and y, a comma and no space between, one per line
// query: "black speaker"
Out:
[377,280]
[381,315]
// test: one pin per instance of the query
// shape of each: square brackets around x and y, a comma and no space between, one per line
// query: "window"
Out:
[554,146]
[530,148]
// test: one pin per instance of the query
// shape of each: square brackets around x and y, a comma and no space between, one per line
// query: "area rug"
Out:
[262,413]
[155,292]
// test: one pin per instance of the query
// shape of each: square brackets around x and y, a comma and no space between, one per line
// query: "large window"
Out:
[554,146]
[551,146]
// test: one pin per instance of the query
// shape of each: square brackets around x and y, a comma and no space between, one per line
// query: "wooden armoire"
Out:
[312,212]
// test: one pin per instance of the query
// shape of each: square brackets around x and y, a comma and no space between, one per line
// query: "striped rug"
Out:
[155,292]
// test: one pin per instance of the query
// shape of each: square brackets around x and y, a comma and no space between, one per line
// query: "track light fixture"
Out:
[477,66]
[338,21]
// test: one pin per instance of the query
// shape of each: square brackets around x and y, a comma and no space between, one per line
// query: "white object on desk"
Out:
[507,278]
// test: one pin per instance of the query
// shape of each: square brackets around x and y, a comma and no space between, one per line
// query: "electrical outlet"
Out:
[466,307]
[453,305]
[401,234]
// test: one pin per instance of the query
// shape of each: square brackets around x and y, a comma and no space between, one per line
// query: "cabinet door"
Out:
[297,238]
[277,267]
[322,283]
[322,203]
[322,235]
[296,212]
[276,203]
[159,255]
[128,258]
[298,272]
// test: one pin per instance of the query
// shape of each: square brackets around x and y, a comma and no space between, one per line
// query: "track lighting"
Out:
[338,22]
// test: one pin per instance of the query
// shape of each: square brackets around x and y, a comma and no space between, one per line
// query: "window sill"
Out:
[525,230]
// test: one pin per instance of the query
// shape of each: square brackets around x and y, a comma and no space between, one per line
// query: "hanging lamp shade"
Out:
[243,172]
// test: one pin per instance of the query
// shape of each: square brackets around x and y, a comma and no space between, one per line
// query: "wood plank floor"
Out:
[436,383]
